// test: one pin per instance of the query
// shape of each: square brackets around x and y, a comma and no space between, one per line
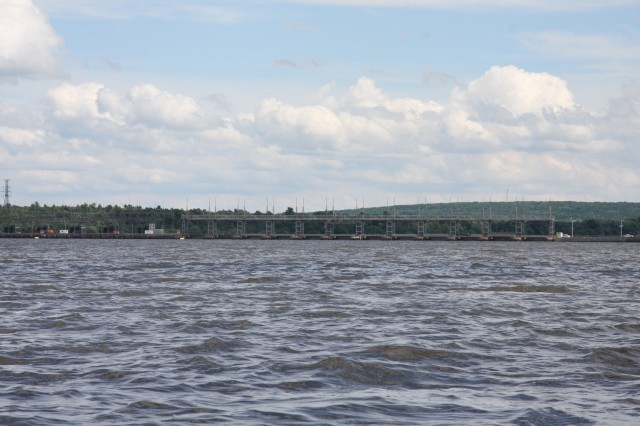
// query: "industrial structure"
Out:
[354,226]
[6,204]
[136,222]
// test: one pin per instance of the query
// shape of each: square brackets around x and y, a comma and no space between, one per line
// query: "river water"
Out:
[319,332]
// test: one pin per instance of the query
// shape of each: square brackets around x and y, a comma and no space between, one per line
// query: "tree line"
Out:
[586,219]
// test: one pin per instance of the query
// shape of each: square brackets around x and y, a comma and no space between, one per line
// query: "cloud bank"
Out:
[508,128]
[148,143]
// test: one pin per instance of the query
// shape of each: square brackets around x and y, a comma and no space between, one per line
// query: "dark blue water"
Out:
[319,332]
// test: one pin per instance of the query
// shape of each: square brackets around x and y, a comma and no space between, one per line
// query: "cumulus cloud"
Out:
[307,127]
[365,118]
[508,128]
[509,107]
[152,106]
[519,92]
[365,94]
[142,105]
[76,101]
[29,46]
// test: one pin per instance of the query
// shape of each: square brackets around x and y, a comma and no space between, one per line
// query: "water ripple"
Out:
[318,332]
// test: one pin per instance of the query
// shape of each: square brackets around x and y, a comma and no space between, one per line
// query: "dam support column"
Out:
[240,229]
[391,230]
[269,229]
[212,229]
[486,229]
[329,228]
[453,229]
[422,230]
[519,231]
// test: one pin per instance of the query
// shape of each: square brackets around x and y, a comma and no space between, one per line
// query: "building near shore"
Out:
[153,230]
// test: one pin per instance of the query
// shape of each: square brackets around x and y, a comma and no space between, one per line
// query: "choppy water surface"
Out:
[319,332]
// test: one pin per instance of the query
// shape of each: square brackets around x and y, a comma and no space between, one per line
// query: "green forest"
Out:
[589,218]
[586,218]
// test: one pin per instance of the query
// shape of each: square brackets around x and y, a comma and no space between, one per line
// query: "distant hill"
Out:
[589,218]
[561,210]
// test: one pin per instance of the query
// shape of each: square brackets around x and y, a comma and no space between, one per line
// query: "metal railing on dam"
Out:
[331,225]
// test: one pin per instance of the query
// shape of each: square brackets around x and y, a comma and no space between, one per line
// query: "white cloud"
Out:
[364,119]
[21,137]
[307,127]
[52,180]
[509,128]
[365,94]
[519,92]
[29,47]
[143,105]
[111,105]
[463,132]
[510,108]
[76,101]
[154,107]
[136,173]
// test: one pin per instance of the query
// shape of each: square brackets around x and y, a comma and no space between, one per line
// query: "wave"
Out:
[366,373]
[409,353]
[301,385]
[550,416]
[617,362]
[5,360]
[523,288]
[325,314]
[212,344]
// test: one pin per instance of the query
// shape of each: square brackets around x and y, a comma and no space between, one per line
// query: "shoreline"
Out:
[317,237]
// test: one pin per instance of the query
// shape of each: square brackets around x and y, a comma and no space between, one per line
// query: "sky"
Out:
[314,104]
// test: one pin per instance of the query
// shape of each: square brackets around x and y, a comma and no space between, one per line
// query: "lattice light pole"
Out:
[6,193]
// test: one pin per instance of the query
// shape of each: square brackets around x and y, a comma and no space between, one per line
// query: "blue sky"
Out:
[154,102]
